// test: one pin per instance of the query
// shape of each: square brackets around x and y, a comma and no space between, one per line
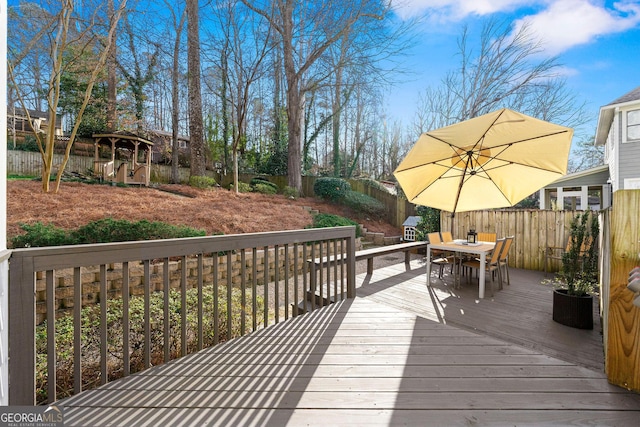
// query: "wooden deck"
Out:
[398,354]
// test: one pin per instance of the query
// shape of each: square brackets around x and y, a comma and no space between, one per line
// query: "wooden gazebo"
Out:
[137,170]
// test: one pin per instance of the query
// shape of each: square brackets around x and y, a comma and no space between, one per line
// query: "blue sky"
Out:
[598,43]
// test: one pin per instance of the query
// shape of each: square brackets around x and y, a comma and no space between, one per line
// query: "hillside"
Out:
[214,210]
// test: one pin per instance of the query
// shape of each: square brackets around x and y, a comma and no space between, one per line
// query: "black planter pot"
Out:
[571,310]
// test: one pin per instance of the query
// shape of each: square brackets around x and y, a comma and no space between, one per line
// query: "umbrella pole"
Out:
[453,214]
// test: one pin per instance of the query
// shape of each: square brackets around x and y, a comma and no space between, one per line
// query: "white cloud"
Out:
[568,23]
[454,10]
[561,24]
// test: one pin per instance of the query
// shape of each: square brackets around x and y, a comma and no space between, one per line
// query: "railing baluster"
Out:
[265,286]
[276,279]
[125,319]
[254,289]
[166,323]
[351,266]
[147,313]
[229,293]
[321,279]
[296,283]
[183,307]
[243,291]
[314,276]
[104,344]
[77,331]
[200,302]
[335,269]
[51,344]
[343,254]
[216,309]
[286,281]
[305,283]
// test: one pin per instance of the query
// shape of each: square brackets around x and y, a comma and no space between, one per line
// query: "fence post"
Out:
[351,264]
[22,331]
[623,329]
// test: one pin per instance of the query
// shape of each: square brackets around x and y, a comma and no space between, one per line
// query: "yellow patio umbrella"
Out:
[490,161]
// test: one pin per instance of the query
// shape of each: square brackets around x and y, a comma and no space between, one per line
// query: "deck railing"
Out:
[254,279]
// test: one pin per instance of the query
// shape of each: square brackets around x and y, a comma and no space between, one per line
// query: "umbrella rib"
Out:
[508,144]
[488,128]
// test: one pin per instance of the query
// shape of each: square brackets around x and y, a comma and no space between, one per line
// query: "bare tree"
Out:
[112,80]
[504,71]
[68,34]
[245,50]
[178,19]
[586,154]
[139,67]
[196,128]
[306,30]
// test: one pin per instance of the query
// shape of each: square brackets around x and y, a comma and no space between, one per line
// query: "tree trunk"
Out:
[224,111]
[175,107]
[295,111]
[336,123]
[198,167]
[111,80]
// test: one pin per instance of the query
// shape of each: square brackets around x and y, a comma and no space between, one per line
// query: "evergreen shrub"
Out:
[332,189]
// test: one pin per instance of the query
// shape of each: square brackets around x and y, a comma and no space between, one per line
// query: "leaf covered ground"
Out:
[213,210]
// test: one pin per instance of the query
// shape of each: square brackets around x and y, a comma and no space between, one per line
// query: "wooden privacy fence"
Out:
[534,231]
[30,163]
[620,318]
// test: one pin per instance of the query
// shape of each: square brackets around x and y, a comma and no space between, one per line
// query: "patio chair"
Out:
[492,265]
[438,256]
[504,258]
[446,236]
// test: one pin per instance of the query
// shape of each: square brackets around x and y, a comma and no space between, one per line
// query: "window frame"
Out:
[626,126]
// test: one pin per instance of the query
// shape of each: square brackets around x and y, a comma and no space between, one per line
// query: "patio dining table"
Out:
[458,247]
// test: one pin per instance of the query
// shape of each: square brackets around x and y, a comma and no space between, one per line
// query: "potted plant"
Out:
[573,302]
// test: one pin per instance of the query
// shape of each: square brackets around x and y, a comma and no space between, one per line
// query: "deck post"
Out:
[22,331]
[351,264]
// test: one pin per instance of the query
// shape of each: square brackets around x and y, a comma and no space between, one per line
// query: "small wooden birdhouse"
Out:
[409,228]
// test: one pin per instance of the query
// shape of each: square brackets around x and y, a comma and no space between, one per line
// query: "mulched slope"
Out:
[214,210]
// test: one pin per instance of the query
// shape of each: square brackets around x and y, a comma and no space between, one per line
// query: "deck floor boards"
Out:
[400,353]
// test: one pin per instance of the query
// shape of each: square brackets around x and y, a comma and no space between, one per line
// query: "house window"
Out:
[633,125]
[183,144]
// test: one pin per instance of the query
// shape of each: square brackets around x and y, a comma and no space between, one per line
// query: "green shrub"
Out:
[202,182]
[330,220]
[101,231]
[40,235]
[364,204]
[333,189]
[290,192]
[580,262]
[243,187]
[90,319]
[429,221]
[114,230]
[260,181]
[373,183]
[265,189]
[29,144]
